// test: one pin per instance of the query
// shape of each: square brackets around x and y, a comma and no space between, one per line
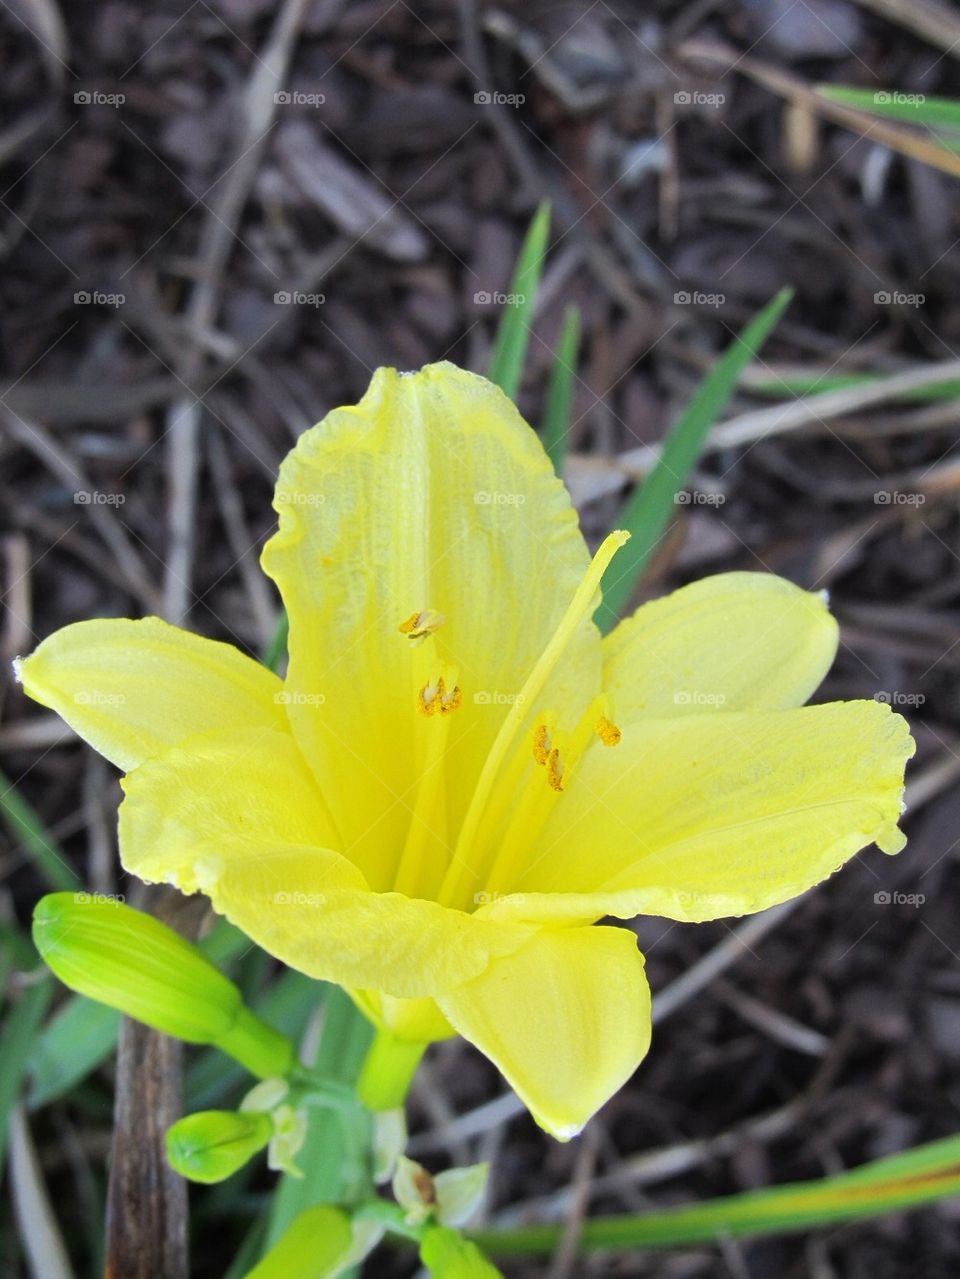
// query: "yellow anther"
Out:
[607,731]
[541,743]
[419,625]
[429,698]
[555,770]
[436,698]
[450,701]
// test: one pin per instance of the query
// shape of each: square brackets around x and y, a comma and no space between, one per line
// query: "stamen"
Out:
[555,770]
[541,743]
[607,731]
[436,698]
[581,607]
[419,625]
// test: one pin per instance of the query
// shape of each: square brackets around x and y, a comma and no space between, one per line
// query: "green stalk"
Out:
[893,1184]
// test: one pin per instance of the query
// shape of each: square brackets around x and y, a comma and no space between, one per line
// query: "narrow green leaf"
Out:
[813,383]
[20,1033]
[312,1247]
[898,1182]
[513,331]
[79,1037]
[913,108]
[28,830]
[556,418]
[333,1172]
[650,509]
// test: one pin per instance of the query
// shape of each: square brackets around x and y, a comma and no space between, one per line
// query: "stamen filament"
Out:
[580,606]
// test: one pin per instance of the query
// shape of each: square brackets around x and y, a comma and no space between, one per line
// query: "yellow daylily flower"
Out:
[458,777]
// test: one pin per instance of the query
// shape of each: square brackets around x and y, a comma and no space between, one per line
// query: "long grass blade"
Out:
[559,406]
[513,331]
[651,508]
[893,1184]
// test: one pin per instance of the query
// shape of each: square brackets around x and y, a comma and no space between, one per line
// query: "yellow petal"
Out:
[133,689]
[239,817]
[421,530]
[705,816]
[734,642]
[566,1020]
[219,798]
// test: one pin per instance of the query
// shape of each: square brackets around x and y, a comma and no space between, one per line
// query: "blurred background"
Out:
[218,217]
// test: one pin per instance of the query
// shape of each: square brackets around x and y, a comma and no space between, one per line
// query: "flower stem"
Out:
[388,1071]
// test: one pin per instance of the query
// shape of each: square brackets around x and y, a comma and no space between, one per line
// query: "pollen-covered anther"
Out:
[555,770]
[450,701]
[607,731]
[541,743]
[437,699]
[419,625]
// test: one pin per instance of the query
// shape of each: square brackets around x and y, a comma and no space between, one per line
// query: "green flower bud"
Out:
[213,1144]
[315,1246]
[449,1256]
[130,961]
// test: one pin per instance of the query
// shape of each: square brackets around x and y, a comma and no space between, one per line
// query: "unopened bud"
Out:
[130,961]
[317,1242]
[213,1144]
